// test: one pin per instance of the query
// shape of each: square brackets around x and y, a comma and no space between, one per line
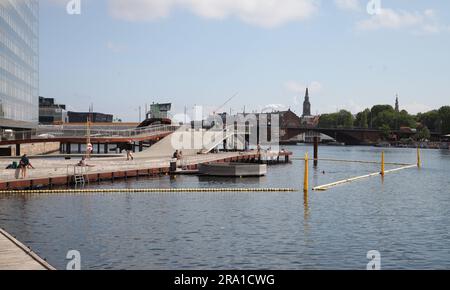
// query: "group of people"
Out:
[22,167]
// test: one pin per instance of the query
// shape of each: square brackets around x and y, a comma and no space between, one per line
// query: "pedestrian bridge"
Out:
[45,134]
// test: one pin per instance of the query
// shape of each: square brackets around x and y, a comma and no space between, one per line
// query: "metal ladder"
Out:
[79,175]
[79,180]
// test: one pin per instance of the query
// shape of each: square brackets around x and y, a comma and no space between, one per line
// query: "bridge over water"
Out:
[351,136]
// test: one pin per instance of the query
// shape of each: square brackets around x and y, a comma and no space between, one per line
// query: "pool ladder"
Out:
[79,180]
[79,175]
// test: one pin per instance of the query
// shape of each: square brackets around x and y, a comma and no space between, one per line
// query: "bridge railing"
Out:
[51,132]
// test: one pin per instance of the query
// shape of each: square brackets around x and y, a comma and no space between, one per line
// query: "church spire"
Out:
[306,105]
[397,106]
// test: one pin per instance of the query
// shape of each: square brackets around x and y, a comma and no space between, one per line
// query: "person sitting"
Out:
[82,162]
[176,154]
[12,166]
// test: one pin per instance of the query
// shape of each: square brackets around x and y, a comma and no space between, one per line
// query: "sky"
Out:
[120,55]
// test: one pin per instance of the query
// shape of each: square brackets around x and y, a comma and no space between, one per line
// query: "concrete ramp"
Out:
[190,141]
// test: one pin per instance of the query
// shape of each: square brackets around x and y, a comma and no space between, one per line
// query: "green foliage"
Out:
[385,131]
[436,120]
[423,134]
[377,109]
[385,118]
[362,119]
[431,120]
[382,115]
[444,115]
[403,119]
[342,119]
[328,121]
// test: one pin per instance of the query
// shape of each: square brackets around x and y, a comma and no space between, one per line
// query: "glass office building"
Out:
[19,63]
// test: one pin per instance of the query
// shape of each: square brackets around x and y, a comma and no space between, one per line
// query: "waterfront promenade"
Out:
[16,256]
[60,172]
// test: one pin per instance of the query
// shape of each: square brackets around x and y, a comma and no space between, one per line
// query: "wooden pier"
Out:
[16,256]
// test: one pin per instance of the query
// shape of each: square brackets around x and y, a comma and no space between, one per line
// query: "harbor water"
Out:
[405,216]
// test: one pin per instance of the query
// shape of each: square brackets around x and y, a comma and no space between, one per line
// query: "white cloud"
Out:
[351,5]
[265,13]
[425,22]
[273,108]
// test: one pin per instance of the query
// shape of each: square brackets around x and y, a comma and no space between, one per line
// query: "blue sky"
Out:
[122,54]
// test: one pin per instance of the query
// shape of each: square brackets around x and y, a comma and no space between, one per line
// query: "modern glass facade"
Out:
[19,63]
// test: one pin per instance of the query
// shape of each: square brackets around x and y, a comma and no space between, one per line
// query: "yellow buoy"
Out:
[306,176]
[419,161]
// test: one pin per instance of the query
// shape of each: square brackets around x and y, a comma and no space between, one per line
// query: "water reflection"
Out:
[406,217]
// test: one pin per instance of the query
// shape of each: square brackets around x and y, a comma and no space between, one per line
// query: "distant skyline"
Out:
[122,54]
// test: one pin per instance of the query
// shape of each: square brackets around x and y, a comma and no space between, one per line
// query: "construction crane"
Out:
[224,104]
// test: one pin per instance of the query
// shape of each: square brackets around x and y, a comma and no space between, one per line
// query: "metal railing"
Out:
[51,132]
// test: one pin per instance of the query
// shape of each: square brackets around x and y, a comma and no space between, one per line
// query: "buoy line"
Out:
[355,161]
[144,190]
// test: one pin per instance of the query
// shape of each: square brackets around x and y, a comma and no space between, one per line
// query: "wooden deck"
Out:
[16,256]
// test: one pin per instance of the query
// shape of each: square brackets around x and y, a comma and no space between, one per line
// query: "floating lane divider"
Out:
[333,184]
[144,190]
[355,161]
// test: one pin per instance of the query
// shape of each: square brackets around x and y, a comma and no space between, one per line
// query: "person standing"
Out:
[130,151]
[24,164]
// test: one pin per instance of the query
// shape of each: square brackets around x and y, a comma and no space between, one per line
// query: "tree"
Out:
[380,108]
[423,134]
[328,121]
[385,131]
[384,118]
[342,119]
[362,119]
[431,120]
[345,119]
[381,115]
[444,115]
[404,119]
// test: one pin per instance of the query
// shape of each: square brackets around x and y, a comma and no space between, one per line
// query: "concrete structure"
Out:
[19,63]
[51,113]
[190,142]
[30,149]
[233,169]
